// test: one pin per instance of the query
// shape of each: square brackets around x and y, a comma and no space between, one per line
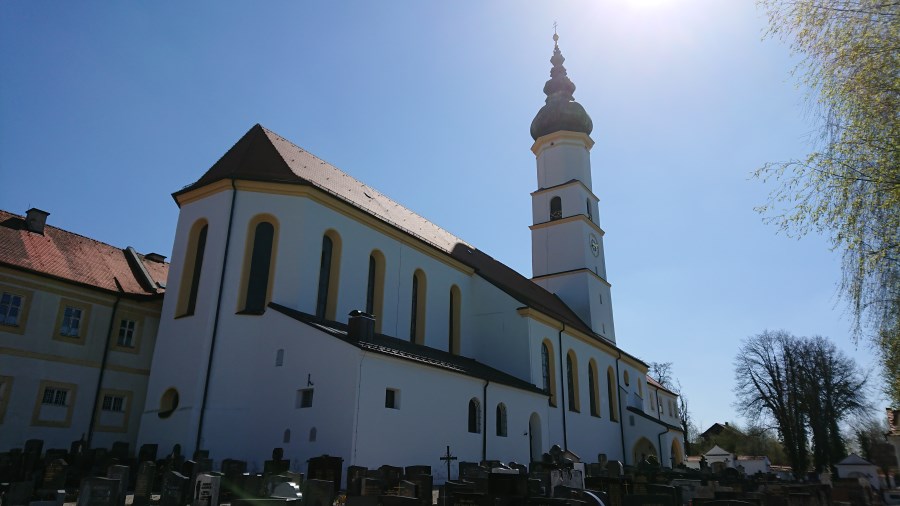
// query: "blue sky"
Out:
[106,108]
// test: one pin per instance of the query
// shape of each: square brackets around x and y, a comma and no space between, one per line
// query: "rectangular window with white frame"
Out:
[55,404]
[126,334]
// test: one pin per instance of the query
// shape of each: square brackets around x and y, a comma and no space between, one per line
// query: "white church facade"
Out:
[275,248]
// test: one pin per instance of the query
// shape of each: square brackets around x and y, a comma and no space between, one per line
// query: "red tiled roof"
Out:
[658,385]
[71,257]
[263,155]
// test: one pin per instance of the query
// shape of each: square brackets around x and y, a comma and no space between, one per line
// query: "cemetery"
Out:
[118,476]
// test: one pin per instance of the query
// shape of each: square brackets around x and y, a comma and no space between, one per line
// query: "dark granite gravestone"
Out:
[371,487]
[203,465]
[55,475]
[175,460]
[390,475]
[19,493]
[120,451]
[31,459]
[416,470]
[251,485]
[232,478]
[98,492]
[187,468]
[147,453]
[507,485]
[327,468]
[615,469]
[174,489]
[424,486]
[467,470]
[287,490]
[355,474]
[143,484]
[119,473]
[270,482]
[206,490]
[318,493]
[278,464]
[522,468]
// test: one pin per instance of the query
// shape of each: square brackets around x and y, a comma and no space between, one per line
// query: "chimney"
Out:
[35,219]
[361,326]
[155,257]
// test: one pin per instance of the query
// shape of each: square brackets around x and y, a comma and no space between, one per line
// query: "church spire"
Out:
[560,111]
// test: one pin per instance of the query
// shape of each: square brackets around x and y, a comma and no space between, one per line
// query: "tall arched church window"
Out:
[611,394]
[417,312]
[474,416]
[375,287]
[593,391]
[329,268]
[555,208]
[190,279]
[454,317]
[501,420]
[257,293]
[548,373]
[572,381]
[590,214]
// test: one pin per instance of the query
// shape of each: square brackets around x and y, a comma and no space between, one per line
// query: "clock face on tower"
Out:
[595,245]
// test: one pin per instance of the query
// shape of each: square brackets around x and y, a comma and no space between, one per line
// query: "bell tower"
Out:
[566,238]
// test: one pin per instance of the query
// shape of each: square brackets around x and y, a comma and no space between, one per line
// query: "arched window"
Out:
[593,391]
[287,436]
[625,376]
[312,435]
[329,269]
[611,394]
[548,371]
[501,420]
[555,208]
[474,416]
[640,385]
[375,287]
[590,214]
[279,357]
[453,330]
[572,381]
[190,277]
[258,279]
[417,313]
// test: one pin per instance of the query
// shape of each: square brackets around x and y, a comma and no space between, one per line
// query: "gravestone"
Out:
[206,490]
[119,451]
[175,460]
[19,493]
[271,482]
[318,493]
[232,478]
[187,468]
[174,489]
[278,464]
[355,474]
[372,487]
[251,485]
[147,453]
[390,475]
[55,475]
[287,490]
[327,468]
[424,485]
[522,468]
[468,470]
[416,470]
[98,492]
[120,473]
[31,458]
[615,468]
[507,485]
[406,489]
[143,484]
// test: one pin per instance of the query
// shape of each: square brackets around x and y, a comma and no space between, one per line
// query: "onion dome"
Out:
[561,111]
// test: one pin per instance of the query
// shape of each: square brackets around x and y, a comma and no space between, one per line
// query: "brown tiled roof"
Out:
[74,258]
[405,350]
[263,155]
[652,382]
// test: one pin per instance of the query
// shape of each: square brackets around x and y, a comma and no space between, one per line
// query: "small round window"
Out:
[168,403]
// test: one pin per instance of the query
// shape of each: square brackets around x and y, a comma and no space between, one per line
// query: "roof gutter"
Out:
[485,431]
[215,330]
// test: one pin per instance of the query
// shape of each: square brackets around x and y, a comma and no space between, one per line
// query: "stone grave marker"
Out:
[31,459]
[287,490]
[325,467]
[120,450]
[355,474]
[615,468]
[206,490]
[55,475]
[522,468]
[9,464]
[507,485]
[147,453]
[119,473]
[390,475]
[297,478]
[175,460]
[278,464]
[424,486]
[174,489]
[19,493]
[406,489]
[318,493]
[232,478]
[187,468]
[416,470]
[98,492]
[143,483]
[252,485]
[272,481]
[467,470]
[372,487]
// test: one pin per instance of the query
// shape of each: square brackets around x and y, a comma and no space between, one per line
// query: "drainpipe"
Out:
[109,333]
[484,426]
[621,414]
[659,440]
[215,330]
[562,390]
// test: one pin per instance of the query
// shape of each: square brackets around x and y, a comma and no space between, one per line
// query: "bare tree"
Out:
[662,373]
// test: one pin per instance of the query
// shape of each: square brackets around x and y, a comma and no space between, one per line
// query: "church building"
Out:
[308,311]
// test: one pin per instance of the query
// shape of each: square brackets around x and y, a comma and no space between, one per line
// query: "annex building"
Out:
[308,311]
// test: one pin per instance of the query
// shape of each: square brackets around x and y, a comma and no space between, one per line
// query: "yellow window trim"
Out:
[248,254]
[83,323]
[27,299]
[190,265]
[71,397]
[128,395]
